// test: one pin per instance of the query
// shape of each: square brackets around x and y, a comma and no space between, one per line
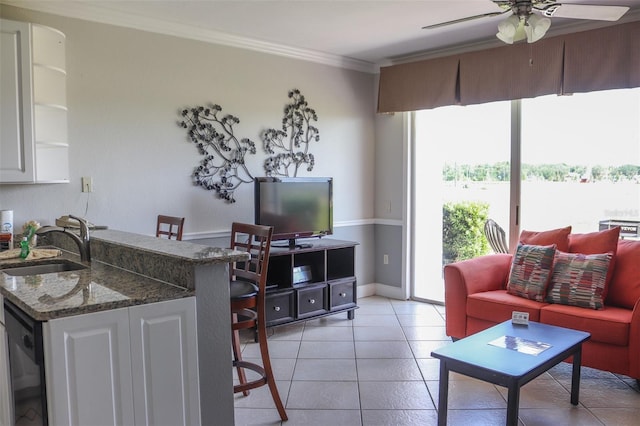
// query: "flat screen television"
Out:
[295,207]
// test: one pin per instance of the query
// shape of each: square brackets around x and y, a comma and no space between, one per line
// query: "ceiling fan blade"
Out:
[468,18]
[584,11]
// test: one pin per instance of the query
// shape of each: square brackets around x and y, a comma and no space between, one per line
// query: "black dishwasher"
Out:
[26,366]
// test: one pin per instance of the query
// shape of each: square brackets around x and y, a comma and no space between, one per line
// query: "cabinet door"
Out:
[164,353]
[6,408]
[88,369]
[16,121]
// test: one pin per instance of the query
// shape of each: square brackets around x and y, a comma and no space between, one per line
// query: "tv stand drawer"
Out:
[312,300]
[279,307]
[342,294]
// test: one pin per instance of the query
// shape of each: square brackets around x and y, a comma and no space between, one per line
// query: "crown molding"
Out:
[90,11]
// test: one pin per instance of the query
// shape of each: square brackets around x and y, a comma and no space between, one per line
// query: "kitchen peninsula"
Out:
[130,276]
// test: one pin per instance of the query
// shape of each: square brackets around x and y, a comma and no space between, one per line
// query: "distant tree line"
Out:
[500,172]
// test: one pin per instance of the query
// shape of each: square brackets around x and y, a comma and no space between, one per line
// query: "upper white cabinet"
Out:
[33,129]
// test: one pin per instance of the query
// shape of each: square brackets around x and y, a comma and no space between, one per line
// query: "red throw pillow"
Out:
[559,237]
[531,271]
[624,290]
[578,279]
[598,242]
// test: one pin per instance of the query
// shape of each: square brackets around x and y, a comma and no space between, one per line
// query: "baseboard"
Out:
[366,290]
[374,289]
[390,292]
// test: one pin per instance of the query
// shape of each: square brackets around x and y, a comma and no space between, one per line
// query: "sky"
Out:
[598,128]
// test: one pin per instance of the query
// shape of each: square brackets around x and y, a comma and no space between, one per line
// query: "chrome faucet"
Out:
[82,241]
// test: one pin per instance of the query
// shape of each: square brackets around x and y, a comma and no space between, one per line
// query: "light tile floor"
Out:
[377,370]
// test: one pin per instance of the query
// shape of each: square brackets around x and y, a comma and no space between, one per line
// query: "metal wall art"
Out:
[223,168]
[293,140]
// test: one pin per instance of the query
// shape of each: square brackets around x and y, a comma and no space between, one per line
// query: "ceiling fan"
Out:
[530,18]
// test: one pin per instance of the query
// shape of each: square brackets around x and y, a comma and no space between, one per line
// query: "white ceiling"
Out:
[358,34]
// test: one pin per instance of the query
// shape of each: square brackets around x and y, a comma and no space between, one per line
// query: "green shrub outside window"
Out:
[463,231]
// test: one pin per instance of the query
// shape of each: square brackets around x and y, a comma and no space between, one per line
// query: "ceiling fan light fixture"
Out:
[536,27]
[508,28]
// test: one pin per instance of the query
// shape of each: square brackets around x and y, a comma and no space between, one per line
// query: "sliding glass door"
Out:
[576,161]
[580,160]
[461,169]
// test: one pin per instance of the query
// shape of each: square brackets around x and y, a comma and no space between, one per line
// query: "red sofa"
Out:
[476,298]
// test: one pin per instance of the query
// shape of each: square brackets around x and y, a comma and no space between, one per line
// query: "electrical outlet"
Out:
[87,184]
[385,259]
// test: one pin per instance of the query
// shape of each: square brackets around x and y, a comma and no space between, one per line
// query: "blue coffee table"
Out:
[510,355]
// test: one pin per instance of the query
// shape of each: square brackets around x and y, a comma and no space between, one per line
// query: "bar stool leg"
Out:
[237,354]
[266,363]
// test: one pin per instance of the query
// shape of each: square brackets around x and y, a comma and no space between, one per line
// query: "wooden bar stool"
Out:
[248,289]
[170,227]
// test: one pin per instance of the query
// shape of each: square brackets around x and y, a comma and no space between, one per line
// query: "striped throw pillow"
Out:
[531,271]
[579,279]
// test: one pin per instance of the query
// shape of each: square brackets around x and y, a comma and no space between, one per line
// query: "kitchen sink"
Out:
[43,268]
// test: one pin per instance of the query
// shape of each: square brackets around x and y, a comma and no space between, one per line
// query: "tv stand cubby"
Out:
[311,282]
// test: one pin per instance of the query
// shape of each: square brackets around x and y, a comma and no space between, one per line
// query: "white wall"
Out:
[125,89]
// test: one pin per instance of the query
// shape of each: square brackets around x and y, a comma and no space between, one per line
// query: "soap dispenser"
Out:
[24,248]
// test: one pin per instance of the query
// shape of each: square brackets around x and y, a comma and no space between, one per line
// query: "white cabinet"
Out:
[17,151]
[5,390]
[33,127]
[126,366]
[164,353]
[88,369]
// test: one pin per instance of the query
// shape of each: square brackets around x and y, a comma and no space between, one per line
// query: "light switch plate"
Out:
[87,184]
[521,318]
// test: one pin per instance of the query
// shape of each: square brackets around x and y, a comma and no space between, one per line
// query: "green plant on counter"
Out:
[463,231]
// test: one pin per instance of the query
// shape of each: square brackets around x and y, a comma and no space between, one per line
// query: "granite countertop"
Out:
[99,287]
[126,270]
[184,251]
[167,260]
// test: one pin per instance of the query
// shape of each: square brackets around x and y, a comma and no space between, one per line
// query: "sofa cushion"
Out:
[624,289]
[497,305]
[578,279]
[531,271]
[609,325]
[559,237]
[597,242]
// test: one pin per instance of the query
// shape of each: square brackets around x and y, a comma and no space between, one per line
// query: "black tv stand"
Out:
[310,282]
